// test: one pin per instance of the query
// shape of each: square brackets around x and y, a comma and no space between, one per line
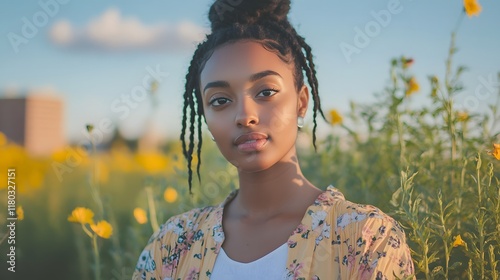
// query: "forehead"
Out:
[237,61]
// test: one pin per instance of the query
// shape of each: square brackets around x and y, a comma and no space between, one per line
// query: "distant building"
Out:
[35,122]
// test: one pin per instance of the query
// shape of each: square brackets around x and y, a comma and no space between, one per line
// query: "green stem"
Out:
[480,218]
[478,173]
[451,51]
[152,209]
[352,133]
[426,261]
[97,271]
[481,242]
[445,237]
[115,239]
[448,102]
[95,190]
[4,237]
[460,195]
[460,17]
[470,273]
[90,234]
[97,268]
[496,115]
[493,263]
[402,160]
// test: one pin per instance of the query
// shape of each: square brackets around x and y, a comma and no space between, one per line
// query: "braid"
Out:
[259,20]
[191,138]
[200,138]
[191,85]
[188,90]
[313,81]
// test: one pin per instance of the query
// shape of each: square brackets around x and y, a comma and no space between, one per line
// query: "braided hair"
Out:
[263,21]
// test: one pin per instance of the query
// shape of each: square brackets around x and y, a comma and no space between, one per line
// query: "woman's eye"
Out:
[268,92]
[219,101]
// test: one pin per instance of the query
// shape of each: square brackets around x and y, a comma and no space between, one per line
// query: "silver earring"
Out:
[300,122]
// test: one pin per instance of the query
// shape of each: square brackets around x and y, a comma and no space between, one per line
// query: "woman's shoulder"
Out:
[179,231]
[347,215]
[379,239]
[196,220]
[192,224]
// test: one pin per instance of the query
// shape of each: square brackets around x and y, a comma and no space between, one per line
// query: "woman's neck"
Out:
[274,190]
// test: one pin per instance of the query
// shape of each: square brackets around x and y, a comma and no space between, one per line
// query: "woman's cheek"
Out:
[281,119]
[220,128]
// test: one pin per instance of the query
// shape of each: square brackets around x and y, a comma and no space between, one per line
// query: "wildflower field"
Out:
[86,213]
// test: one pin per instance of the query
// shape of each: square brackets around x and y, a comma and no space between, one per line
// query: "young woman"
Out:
[246,82]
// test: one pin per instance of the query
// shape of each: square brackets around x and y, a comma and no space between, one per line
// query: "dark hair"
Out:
[263,21]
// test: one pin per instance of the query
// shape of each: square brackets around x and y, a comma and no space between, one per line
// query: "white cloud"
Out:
[113,32]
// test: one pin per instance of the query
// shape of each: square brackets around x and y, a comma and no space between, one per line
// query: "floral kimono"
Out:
[336,239]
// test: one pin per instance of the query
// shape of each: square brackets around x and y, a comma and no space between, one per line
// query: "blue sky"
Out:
[90,75]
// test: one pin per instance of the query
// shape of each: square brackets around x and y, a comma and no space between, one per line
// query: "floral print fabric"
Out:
[336,239]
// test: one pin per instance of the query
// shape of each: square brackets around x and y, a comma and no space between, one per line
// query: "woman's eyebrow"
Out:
[263,74]
[221,84]
[253,78]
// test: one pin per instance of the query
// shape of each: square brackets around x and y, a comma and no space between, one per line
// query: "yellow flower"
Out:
[152,163]
[472,8]
[335,117]
[3,139]
[103,229]
[20,213]
[462,116]
[33,169]
[121,157]
[413,86]
[140,215]
[71,155]
[170,195]
[496,151]
[82,215]
[458,241]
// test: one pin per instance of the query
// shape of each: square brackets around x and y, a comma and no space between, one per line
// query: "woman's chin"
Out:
[250,163]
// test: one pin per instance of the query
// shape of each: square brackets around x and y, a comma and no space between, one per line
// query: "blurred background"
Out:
[90,114]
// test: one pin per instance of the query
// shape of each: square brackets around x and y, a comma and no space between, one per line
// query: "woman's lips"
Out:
[252,145]
[253,141]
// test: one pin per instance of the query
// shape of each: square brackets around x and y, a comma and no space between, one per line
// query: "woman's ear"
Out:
[303,101]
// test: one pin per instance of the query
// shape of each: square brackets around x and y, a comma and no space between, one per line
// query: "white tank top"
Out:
[269,267]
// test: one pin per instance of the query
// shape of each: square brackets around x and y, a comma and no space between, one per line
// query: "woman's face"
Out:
[251,105]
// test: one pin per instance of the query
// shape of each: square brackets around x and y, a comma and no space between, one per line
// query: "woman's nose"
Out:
[247,112]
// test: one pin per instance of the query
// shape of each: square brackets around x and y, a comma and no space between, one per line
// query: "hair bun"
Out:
[224,13]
